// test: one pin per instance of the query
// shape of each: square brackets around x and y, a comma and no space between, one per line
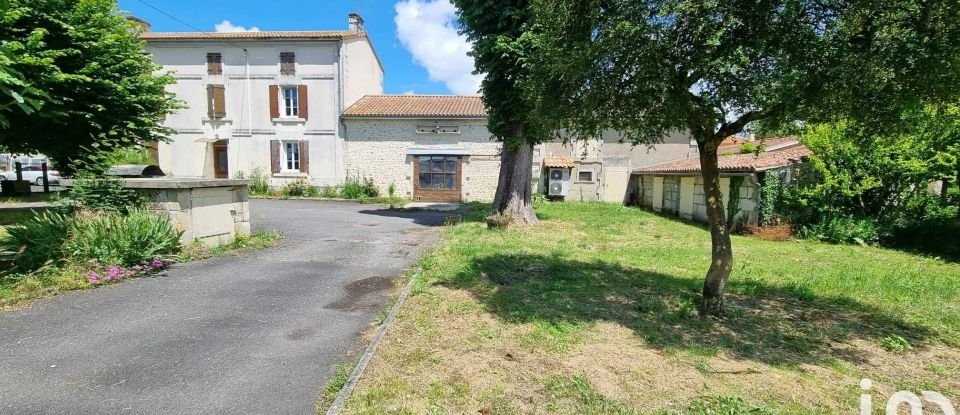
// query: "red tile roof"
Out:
[736,163]
[449,106]
[305,35]
[732,144]
[558,162]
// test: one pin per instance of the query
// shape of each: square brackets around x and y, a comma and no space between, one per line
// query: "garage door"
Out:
[437,178]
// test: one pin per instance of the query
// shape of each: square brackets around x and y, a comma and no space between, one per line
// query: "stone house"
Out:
[428,147]
[263,100]
[676,187]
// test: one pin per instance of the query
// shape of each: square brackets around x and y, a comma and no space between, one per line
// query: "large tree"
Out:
[713,68]
[89,60]
[501,49]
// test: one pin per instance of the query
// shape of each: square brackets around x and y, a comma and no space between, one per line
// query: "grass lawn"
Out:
[594,311]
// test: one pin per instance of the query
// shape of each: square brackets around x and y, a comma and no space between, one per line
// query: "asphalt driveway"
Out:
[254,334]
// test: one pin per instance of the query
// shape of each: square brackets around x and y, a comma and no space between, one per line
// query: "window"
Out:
[585,176]
[291,153]
[438,129]
[288,63]
[214,64]
[438,172]
[291,101]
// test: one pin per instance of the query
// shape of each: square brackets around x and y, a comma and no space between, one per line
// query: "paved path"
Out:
[255,334]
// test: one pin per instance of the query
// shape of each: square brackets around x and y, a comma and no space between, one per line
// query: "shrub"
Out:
[329,192]
[359,189]
[38,240]
[112,238]
[392,190]
[95,193]
[260,182]
[842,230]
[299,188]
[748,148]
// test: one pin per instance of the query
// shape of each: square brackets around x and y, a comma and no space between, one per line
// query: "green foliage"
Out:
[748,148]
[895,343]
[37,240]
[722,405]
[329,192]
[113,238]
[95,193]
[101,84]
[874,189]
[109,237]
[300,188]
[771,192]
[356,188]
[260,182]
[392,190]
[733,203]
[131,155]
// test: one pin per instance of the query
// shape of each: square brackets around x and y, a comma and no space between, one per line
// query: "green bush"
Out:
[113,238]
[329,192]
[38,240]
[95,193]
[359,189]
[300,188]
[842,230]
[260,182]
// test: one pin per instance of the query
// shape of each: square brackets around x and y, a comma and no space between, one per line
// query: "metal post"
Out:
[19,168]
[46,180]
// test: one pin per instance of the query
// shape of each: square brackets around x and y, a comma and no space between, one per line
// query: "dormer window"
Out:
[288,63]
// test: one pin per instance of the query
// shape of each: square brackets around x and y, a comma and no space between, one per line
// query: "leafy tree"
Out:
[713,68]
[501,49]
[89,60]
[15,92]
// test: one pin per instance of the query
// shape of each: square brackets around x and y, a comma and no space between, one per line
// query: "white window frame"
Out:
[285,153]
[287,110]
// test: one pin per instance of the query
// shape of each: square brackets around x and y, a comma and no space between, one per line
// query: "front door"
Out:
[437,178]
[220,168]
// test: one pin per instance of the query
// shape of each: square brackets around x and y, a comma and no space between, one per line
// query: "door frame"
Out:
[435,195]
[221,172]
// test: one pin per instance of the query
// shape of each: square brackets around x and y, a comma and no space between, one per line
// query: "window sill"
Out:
[290,120]
[218,120]
[289,174]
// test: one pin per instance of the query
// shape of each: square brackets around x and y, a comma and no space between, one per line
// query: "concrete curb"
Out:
[347,388]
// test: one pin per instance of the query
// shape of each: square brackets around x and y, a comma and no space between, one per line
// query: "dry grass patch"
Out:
[594,312]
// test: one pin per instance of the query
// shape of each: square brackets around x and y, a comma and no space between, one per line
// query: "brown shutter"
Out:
[275,156]
[302,99]
[210,109]
[274,101]
[304,157]
[216,107]
[214,64]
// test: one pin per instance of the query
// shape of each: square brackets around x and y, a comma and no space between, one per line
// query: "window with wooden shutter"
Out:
[216,104]
[288,63]
[302,98]
[214,64]
[275,156]
[274,101]
[304,157]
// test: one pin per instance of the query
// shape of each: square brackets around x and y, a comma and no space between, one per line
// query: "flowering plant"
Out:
[103,273]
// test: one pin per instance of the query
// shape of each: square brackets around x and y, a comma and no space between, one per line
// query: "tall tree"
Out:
[501,50]
[713,68]
[89,60]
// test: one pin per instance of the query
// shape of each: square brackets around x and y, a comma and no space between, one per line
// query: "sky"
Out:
[417,40]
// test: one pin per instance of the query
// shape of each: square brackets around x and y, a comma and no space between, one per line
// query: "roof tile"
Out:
[736,163]
[453,106]
[323,34]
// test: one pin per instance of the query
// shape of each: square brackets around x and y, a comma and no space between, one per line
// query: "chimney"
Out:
[355,22]
[142,25]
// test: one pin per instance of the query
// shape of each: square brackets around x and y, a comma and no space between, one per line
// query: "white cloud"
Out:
[427,28]
[409,93]
[226,26]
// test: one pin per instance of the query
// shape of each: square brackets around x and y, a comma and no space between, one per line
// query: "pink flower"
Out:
[157,264]
[93,277]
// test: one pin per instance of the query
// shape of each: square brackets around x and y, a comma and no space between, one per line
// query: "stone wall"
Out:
[377,149]
[211,211]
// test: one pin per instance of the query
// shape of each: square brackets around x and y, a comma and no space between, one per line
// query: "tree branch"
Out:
[737,126]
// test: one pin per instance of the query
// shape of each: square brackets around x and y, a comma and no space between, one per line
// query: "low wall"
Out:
[212,211]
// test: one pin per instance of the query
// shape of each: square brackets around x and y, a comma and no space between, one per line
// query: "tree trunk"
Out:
[722,252]
[513,199]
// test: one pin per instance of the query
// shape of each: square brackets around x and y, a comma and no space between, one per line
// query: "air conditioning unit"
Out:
[559,183]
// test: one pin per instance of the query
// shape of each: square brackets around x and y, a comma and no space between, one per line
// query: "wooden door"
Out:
[615,181]
[437,178]
[220,168]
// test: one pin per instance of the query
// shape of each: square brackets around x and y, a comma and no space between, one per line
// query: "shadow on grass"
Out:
[773,325]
